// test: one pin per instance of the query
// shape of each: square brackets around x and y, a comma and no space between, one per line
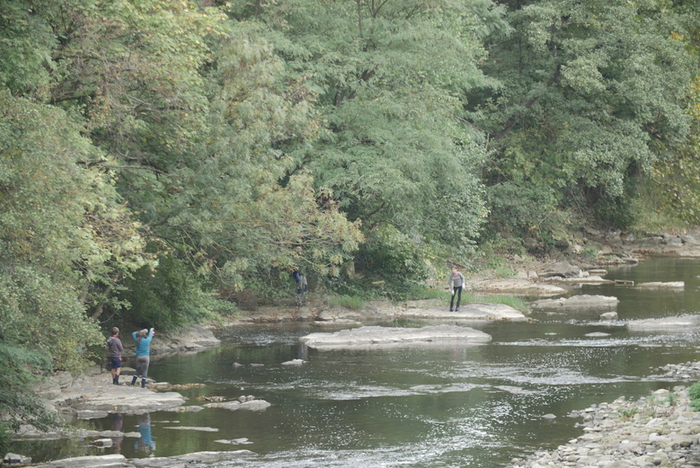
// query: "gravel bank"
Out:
[660,430]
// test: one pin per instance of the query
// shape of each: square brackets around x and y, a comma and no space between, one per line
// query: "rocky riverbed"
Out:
[660,430]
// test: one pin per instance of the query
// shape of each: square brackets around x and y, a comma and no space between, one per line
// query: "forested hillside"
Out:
[162,161]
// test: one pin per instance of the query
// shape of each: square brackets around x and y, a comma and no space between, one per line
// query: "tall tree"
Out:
[590,89]
[195,161]
[389,76]
[65,236]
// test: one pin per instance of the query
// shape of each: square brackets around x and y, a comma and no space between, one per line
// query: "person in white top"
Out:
[456,285]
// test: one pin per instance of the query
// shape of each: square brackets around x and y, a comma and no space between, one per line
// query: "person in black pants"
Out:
[456,285]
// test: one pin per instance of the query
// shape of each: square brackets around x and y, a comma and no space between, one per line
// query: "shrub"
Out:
[169,297]
[694,393]
[392,256]
[349,302]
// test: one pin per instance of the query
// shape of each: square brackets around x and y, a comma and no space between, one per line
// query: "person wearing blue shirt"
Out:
[145,443]
[143,352]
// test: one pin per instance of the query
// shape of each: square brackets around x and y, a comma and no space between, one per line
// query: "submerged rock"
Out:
[682,323]
[294,362]
[383,337]
[241,441]
[251,405]
[118,460]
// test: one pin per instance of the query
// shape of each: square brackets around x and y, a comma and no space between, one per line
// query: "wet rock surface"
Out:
[660,430]
[468,312]
[182,461]
[660,285]
[92,394]
[683,322]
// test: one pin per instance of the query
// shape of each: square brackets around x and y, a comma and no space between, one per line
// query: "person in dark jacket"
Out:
[114,350]
[143,354]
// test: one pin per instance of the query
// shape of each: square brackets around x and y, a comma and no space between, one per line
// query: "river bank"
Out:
[335,318]
[580,260]
[660,430]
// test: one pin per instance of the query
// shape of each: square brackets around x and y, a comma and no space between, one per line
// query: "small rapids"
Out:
[418,407]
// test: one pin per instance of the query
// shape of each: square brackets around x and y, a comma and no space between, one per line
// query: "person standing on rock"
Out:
[300,279]
[456,285]
[143,354]
[115,348]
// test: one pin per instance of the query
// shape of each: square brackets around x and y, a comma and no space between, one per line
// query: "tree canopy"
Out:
[590,94]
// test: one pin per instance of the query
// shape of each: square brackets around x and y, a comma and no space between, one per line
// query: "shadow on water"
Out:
[422,407]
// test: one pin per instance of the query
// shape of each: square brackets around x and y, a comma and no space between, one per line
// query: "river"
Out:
[469,406]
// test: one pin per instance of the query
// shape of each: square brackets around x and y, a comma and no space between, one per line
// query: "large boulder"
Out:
[561,270]
[191,339]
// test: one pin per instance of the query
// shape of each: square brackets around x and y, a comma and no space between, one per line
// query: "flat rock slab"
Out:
[94,396]
[578,302]
[117,460]
[467,312]
[390,337]
[515,286]
[252,405]
[585,280]
[682,323]
[659,285]
[127,399]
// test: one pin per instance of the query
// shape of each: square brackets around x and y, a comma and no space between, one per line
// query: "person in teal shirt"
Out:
[143,354]
[145,443]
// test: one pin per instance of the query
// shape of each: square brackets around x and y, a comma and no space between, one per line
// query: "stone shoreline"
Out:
[660,430]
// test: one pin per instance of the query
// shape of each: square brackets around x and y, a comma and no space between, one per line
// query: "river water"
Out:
[470,406]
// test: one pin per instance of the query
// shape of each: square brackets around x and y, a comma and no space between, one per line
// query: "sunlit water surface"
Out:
[471,406]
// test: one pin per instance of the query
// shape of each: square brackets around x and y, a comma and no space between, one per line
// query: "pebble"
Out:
[660,430]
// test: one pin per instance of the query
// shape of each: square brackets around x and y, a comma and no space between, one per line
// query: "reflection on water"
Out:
[145,443]
[422,407]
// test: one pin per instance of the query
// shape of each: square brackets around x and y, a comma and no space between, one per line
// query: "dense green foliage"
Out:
[163,161]
[592,95]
